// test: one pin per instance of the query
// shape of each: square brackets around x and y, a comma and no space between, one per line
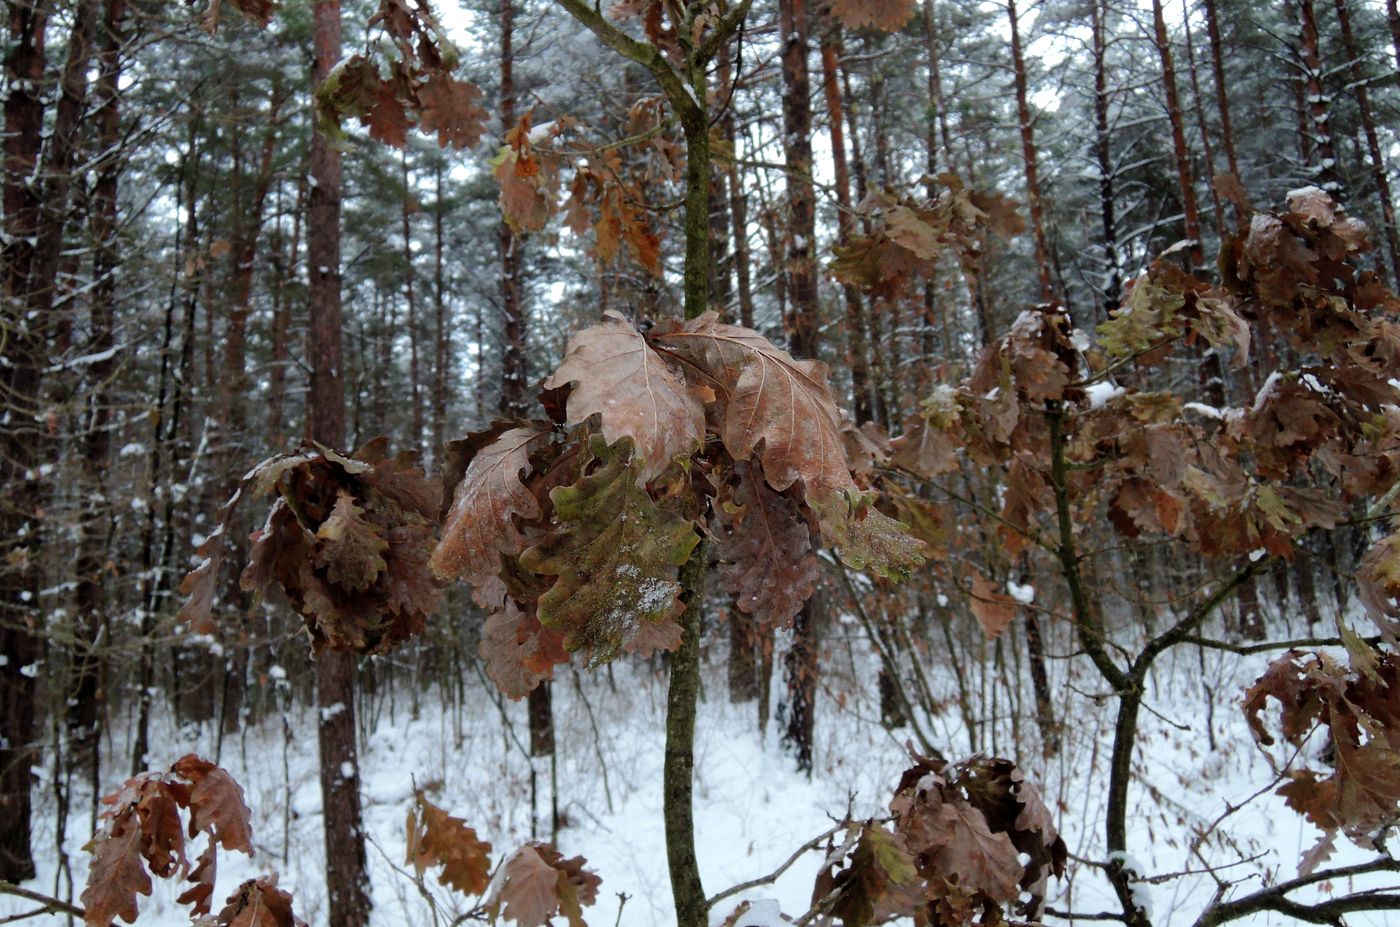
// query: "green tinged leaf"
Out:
[1149,316]
[614,554]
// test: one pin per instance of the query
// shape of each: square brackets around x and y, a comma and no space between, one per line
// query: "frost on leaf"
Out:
[779,411]
[614,554]
[536,883]
[436,838]
[765,550]
[1360,794]
[632,388]
[481,524]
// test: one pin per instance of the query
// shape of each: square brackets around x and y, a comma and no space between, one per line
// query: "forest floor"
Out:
[752,808]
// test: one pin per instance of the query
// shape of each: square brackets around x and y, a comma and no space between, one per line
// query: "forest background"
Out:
[995,228]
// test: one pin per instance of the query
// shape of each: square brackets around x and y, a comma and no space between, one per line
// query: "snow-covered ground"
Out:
[752,808]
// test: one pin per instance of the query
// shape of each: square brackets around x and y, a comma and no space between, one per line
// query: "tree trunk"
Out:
[1028,157]
[88,695]
[1373,145]
[803,319]
[856,343]
[347,880]
[738,201]
[1222,96]
[1189,208]
[411,304]
[1113,277]
[1321,146]
[1198,110]
[441,342]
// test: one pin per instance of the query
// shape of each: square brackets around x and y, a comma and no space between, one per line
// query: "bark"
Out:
[1322,151]
[88,695]
[1222,96]
[514,326]
[347,880]
[441,342]
[1373,145]
[1198,110]
[1392,18]
[1113,278]
[738,204]
[1191,216]
[1028,157]
[20,441]
[856,342]
[411,304]
[802,321]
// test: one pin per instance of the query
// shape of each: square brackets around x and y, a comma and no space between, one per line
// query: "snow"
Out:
[752,808]
[1102,393]
[1025,594]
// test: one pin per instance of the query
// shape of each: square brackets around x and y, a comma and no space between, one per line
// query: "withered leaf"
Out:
[614,554]
[216,804]
[779,411]
[451,108]
[618,377]
[993,610]
[352,549]
[481,523]
[765,550]
[536,882]
[259,903]
[519,651]
[436,838]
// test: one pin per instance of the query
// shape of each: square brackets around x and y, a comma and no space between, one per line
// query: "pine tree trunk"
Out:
[1113,278]
[347,880]
[1322,148]
[802,322]
[1392,18]
[738,201]
[1198,110]
[856,342]
[20,449]
[1028,157]
[1222,96]
[1191,215]
[441,342]
[415,391]
[1373,145]
[88,696]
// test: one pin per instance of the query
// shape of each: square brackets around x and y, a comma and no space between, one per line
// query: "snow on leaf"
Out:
[613,553]
[617,376]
